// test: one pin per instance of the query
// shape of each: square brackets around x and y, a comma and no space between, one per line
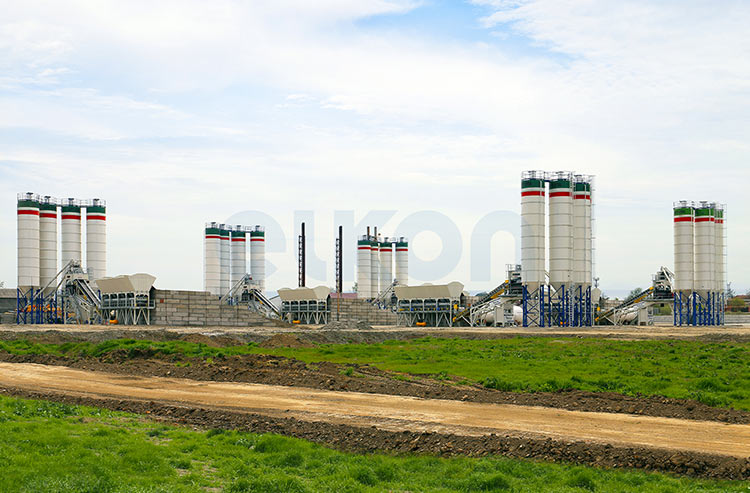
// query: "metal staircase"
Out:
[245,291]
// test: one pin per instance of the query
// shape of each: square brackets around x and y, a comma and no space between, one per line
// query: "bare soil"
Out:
[365,423]
[278,370]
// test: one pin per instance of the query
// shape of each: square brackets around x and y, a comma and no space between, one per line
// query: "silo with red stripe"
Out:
[71,231]
[705,249]
[533,229]
[258,257]
[212,259]
[402,261]
[239,253]
[225,258]
[96,239]
[28,241]
[386,263]
[560,229]
[364,264]
[48,266]
[684,269]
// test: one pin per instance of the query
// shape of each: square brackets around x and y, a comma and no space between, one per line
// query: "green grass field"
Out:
[717,374]
[50,447]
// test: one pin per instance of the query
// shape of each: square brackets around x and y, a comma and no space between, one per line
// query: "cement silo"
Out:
[402,261]
[721,254]
[683,246]
[258,257]
[705,249]
[224,257]
[28,241]
[48,266]
[364,265]
[533,186]
[71,231]
[374,267]
[96,238]
[212,259]
[560,229]
[386,264]
[239,254]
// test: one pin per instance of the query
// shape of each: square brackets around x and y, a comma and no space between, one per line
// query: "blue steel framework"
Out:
[698,310]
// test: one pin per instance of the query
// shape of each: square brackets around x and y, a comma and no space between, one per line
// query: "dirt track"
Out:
[392,413]
[318,335]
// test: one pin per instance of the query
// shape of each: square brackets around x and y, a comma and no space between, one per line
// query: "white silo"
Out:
[721,255]
[28,241]
[96,238]
[71,231]
[224,257]
[47,242]
[684,254]
[580,195]
[560,228]
[375,267]
[533,229]
[402,261]
[258,257]
[364,265]
[212,259]
[386,264]
[705,253]
[239,254]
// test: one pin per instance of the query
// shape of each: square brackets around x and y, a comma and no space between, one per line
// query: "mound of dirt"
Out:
[347,325]
[285,340]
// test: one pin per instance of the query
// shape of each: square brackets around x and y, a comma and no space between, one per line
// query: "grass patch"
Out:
[48,447]
[717,374]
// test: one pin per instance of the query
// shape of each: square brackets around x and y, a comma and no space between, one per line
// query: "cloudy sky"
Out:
[271,112]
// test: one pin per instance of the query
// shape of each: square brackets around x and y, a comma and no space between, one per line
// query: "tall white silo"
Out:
[28,241]
[258,257]
[364,265]
[560,228]
[48,267]
[239,254]
[580,197]
[375,267]
[71,231]
[96,238]
[684,250]
[225,256]
[721,254]
[533,229]
[386,264]
[705,252]
[402,261]
[212,259]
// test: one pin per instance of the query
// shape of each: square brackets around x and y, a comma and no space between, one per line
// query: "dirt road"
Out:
[389,412]
[318,335]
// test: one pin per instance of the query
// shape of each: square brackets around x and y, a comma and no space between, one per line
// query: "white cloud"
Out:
[650,97]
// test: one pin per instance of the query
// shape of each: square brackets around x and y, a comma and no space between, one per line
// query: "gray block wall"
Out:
[201,309]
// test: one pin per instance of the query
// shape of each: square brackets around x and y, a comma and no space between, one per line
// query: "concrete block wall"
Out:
[355,309]
[200,309]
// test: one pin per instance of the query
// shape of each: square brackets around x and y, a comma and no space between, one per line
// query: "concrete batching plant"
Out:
[375,264]
[565,298]
[225,257]
[700,263]
[38,268]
